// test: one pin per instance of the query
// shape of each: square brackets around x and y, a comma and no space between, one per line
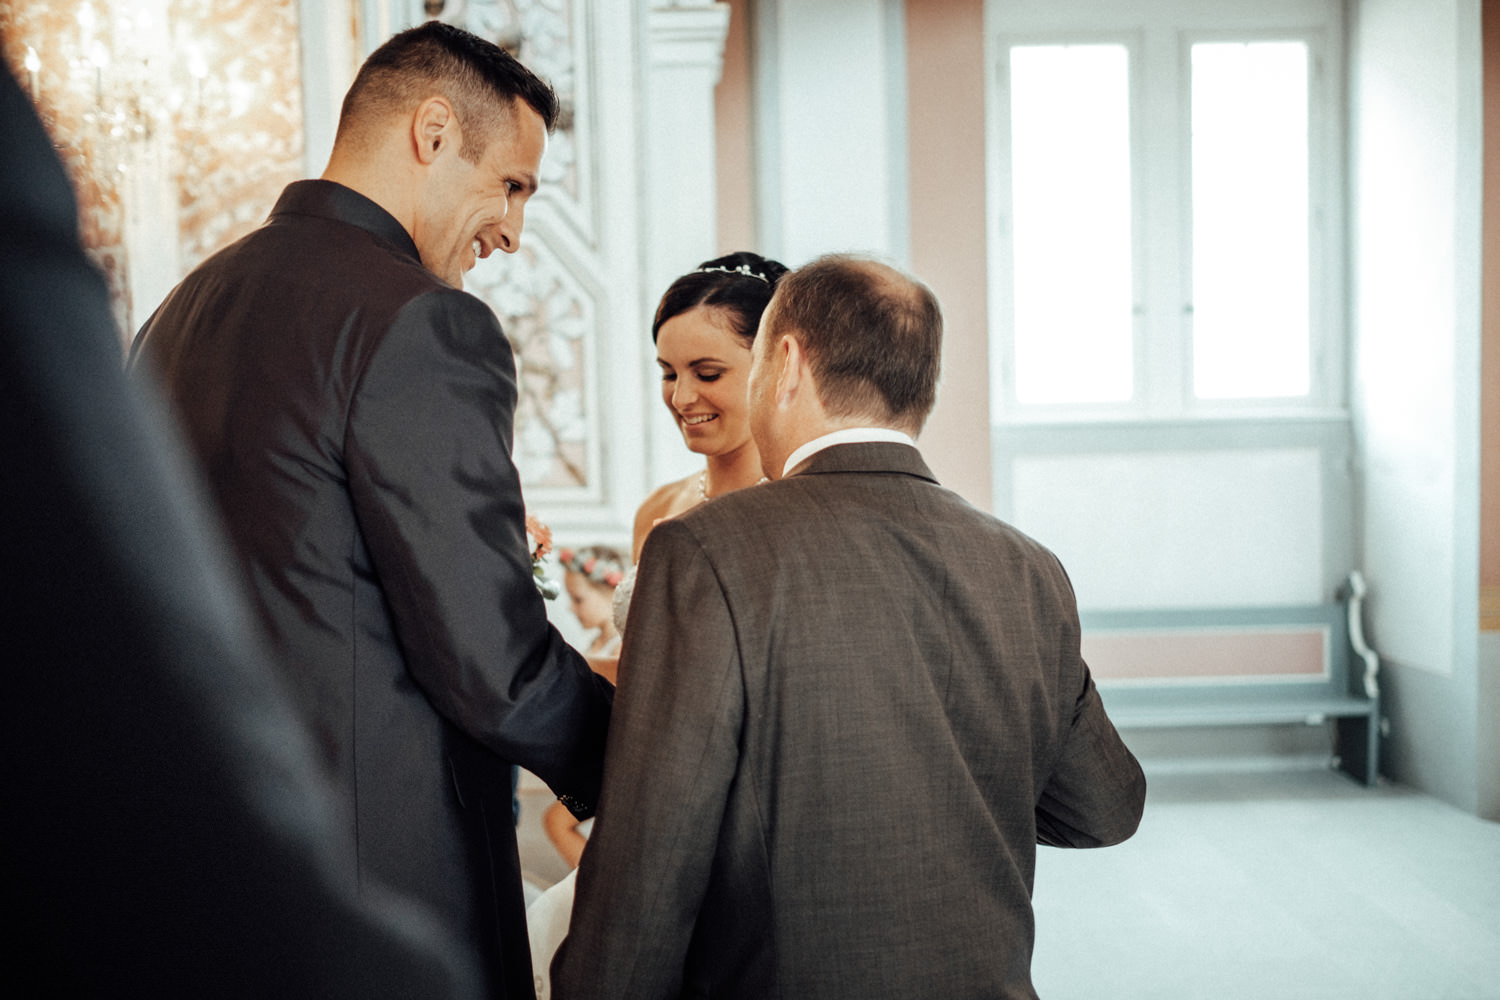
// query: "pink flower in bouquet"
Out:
[541,537]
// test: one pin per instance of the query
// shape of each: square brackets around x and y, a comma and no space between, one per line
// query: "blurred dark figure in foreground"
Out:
[166,832]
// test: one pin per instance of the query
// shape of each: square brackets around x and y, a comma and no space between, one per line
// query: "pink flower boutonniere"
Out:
[539,539]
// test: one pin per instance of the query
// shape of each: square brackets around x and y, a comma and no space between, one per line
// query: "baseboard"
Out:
[1489,609]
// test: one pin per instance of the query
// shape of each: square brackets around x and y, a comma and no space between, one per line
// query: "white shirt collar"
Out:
[849,435]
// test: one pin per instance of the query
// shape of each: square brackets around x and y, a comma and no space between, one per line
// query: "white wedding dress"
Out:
[547,924]
[620,602]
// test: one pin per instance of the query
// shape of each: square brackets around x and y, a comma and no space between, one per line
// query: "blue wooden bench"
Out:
[1244,666]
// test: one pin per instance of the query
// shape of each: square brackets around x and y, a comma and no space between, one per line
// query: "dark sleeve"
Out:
[167,830]
[439,504]
[1097,792]
[673,756]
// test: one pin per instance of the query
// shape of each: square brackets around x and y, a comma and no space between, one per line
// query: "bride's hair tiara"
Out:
[744,269]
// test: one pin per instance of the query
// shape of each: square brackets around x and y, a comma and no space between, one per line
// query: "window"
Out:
[1250,315]
[1166,296]
[1164,225]
[1070,169]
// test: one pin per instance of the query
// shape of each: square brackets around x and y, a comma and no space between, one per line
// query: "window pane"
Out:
[1250,220]
[1070,161]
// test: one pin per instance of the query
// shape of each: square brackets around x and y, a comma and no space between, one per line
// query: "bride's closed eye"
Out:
[712,375]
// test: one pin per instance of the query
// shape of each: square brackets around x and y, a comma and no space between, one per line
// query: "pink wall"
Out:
[945,125]
[734,133]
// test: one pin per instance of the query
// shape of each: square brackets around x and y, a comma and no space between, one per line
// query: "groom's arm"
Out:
[672,755]
[439,502]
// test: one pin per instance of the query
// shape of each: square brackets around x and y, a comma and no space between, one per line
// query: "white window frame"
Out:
[1158,35]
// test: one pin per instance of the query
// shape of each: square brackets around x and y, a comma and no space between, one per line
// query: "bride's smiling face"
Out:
[705,368]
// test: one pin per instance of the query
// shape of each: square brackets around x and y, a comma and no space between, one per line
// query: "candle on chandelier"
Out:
[33,63]
[98,58]
[198,70]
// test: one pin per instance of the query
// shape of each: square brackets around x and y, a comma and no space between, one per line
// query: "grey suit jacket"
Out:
[850,706]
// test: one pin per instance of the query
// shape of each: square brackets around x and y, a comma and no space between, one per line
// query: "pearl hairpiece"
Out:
[743,269]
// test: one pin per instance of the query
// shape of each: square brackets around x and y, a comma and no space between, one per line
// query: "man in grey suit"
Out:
[850,704]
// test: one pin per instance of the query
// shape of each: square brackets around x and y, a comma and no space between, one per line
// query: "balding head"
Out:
[871,334]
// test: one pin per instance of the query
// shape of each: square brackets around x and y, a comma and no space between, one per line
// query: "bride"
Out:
[704,328]
[703,331]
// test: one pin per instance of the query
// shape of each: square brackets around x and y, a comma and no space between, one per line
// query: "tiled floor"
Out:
[1298,885]
[1292,885]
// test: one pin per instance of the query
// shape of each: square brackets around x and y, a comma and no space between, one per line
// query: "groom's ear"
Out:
[434,127]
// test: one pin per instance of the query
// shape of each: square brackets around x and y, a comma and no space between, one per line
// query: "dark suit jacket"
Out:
[850,706]
[353,413]
[168,831]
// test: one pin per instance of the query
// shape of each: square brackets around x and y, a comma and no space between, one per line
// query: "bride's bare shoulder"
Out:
[668,500]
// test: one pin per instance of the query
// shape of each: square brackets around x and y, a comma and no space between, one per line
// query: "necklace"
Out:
[703,496]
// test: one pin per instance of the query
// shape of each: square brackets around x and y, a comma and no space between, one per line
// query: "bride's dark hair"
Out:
[738,284]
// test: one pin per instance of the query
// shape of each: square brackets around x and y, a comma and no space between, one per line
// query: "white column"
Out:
[141,89]
[329,62]
[148,200]
[684,57]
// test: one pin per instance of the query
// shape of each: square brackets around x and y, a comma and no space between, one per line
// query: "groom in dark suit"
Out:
[850,706]
[352,408]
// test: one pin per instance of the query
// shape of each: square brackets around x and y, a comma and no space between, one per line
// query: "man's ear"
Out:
[434,126]
[794,375]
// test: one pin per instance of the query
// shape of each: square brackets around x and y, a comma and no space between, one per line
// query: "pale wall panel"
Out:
[1179,529]
[832,177]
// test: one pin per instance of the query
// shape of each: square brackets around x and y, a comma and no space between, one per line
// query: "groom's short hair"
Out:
[873,337]
[481,80]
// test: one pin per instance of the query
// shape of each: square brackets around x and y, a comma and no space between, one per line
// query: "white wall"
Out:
[830,129]
[1417,155]
[1180,529]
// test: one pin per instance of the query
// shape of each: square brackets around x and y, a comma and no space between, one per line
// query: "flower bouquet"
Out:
[539,541]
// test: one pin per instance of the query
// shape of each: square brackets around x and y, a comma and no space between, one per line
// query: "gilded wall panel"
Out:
[179,121]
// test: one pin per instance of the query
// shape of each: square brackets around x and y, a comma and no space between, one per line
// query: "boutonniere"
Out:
[539,540]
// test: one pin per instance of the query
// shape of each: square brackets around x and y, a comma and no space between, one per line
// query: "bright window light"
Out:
[1070,162]
[1250,220]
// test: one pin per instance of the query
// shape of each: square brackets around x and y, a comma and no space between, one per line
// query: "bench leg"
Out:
[1359,746]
